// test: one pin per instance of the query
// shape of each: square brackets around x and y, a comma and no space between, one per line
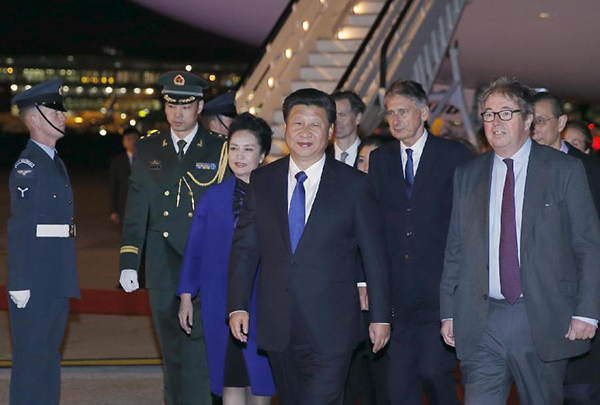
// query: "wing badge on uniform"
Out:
[154,165]
[24,173]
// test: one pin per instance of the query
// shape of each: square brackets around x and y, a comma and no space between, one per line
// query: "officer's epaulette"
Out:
[216,134]
[151,134]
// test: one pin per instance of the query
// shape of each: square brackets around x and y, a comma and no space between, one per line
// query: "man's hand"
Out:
[447,331]
[129,280]
[364,298]
[580,330]
[380,335]
[186,313]
[238,323]
[114,217]
[20,298]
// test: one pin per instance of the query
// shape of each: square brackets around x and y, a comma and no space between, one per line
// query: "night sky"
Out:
[95,27]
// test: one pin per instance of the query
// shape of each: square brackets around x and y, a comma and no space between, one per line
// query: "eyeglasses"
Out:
[504,115]
[540,122]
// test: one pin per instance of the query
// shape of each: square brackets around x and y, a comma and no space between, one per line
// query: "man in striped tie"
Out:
[519,291]
[305,219]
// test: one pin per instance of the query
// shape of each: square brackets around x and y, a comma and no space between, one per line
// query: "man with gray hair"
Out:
[519,292]
[412,182]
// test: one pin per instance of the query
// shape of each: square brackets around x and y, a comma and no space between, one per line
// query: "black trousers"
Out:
[368,372]
[37,333]
[420,362]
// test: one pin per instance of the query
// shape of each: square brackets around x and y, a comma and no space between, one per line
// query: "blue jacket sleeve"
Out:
[191,266]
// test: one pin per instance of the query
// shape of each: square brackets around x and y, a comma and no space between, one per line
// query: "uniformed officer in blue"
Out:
[41,250]
[170,172]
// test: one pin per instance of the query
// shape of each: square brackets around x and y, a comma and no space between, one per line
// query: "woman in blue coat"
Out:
[241,374]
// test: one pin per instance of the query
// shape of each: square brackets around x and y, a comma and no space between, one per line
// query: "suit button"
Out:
[66,185]
[54,196]
[70,202]
[409,209]
[190,214]
[406,257]
[166,234]
[167,193]
[485,296]
[409,233]
[166,213]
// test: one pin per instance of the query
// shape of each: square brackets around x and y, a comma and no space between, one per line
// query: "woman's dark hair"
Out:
[374,140]
[257,126]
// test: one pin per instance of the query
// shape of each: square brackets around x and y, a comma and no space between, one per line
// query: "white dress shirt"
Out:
[311,184]
[417,149]
[51,152]
[521,161]
[188,139]
[352,152]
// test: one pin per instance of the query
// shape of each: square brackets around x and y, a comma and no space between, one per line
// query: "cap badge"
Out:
[179,80]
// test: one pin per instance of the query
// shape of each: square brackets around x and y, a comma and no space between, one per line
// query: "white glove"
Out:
[20,298]
[129,280]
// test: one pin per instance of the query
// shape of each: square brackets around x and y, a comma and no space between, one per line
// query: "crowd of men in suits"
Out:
[369,285]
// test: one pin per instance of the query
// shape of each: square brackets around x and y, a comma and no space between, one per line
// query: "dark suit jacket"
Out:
[317,284]
[416,229]
[587,368]
[118,176]
[40,193]
[560,252]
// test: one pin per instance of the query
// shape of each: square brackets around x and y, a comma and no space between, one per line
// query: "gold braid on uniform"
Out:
[191,193]
[220,171]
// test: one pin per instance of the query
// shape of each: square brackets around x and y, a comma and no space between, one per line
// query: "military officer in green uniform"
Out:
[170,172]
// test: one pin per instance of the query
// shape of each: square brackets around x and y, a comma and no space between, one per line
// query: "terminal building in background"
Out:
[106,93]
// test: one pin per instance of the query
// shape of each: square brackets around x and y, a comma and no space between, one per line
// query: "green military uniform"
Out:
[164,191]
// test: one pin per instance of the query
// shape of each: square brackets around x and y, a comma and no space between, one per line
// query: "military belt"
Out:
[55,231]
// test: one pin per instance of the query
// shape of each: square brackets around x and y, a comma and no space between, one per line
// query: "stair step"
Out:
[323,85]
[362,20]
[321,73]
[335,45]
[352,32]
[367,7]
[330,59]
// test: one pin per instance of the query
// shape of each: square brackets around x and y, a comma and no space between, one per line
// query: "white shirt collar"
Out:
[563,147]
[313,172]
[418,147]
[188,139]
[521,157]
[352,152]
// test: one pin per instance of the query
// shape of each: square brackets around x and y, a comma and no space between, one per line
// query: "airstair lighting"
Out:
[271,82]
[288,53]
[305,25]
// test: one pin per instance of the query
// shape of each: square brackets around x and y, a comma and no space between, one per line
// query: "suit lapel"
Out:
[325,194]
[481,208]
[167,160]
[538,177]
[395,175]
[279,189]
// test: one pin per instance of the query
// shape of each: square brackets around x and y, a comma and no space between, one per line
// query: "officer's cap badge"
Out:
[179,80]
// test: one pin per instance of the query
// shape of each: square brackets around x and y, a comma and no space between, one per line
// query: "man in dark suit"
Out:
[304,220]
[412,180]
[582,385]
[349,110]
[41,250]
[118,176]
[519,291]
[170,172]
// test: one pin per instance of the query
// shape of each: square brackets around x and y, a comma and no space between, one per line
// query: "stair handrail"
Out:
[287,11]
[388,40]
[363,45]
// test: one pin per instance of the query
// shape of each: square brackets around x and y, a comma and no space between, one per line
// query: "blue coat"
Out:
[204,271]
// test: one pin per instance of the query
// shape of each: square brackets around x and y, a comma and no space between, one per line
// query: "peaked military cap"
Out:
[47,94]
[221,105]
[181,87]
